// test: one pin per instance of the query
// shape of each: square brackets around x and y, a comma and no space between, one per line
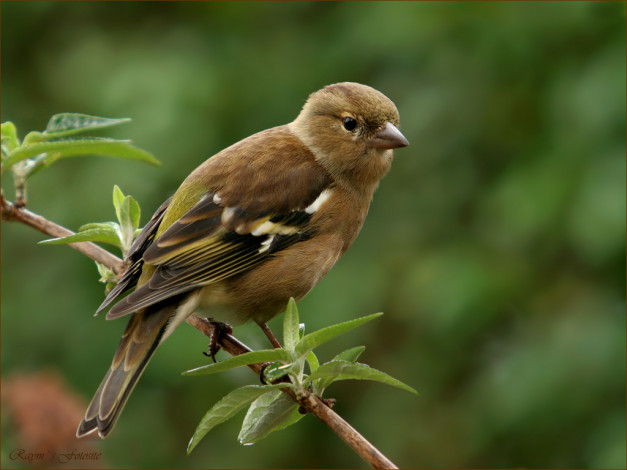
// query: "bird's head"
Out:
[351,129]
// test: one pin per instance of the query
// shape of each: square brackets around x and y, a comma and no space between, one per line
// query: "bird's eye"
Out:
[349,123]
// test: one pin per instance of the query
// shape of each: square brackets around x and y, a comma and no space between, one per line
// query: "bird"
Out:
[256,224]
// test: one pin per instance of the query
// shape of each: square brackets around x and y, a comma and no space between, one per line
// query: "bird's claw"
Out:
[217,330]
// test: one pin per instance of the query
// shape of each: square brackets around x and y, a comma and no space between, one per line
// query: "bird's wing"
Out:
[228,232]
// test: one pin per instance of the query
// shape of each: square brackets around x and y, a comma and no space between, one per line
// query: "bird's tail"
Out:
[140,339]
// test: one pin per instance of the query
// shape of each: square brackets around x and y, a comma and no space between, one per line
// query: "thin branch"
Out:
[13,213]
[310,402]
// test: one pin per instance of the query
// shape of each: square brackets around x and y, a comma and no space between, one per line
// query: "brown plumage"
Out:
[259,222]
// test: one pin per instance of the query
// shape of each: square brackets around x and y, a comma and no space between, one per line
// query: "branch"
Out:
[14,213]
[310,402]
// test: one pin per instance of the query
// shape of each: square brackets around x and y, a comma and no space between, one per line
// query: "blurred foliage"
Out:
[495,246]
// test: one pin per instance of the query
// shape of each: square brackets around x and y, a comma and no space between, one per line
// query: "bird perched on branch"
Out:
[259,222]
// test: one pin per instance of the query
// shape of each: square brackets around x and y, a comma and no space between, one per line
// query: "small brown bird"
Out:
[259,222]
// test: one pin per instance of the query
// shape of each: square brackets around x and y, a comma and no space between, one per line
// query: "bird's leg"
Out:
[268,332]
[217,330]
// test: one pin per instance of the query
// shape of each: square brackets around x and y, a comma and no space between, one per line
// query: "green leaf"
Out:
[112,226]
[135,214]
[106,275]
[290,326]
[276,371]
[65,124]
[253,357]
[90,235]
[126,221]
[270,412]
[128,213]
[9,138]
[313,361]
[312,340]
[350,355]
[118,200]
[75,147]
[226,408]
[344,370]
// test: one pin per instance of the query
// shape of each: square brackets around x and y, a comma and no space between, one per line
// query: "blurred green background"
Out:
[495,246]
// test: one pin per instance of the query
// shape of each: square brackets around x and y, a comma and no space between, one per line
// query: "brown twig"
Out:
[310,402]
[13,213]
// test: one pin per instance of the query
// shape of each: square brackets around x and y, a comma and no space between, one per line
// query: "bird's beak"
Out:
[389,138]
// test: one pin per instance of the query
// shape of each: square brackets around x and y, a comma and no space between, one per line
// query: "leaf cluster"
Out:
[63,137]
[285,368]
[119,234]
[60,139]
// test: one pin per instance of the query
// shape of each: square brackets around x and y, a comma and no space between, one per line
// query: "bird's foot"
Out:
[217,330]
